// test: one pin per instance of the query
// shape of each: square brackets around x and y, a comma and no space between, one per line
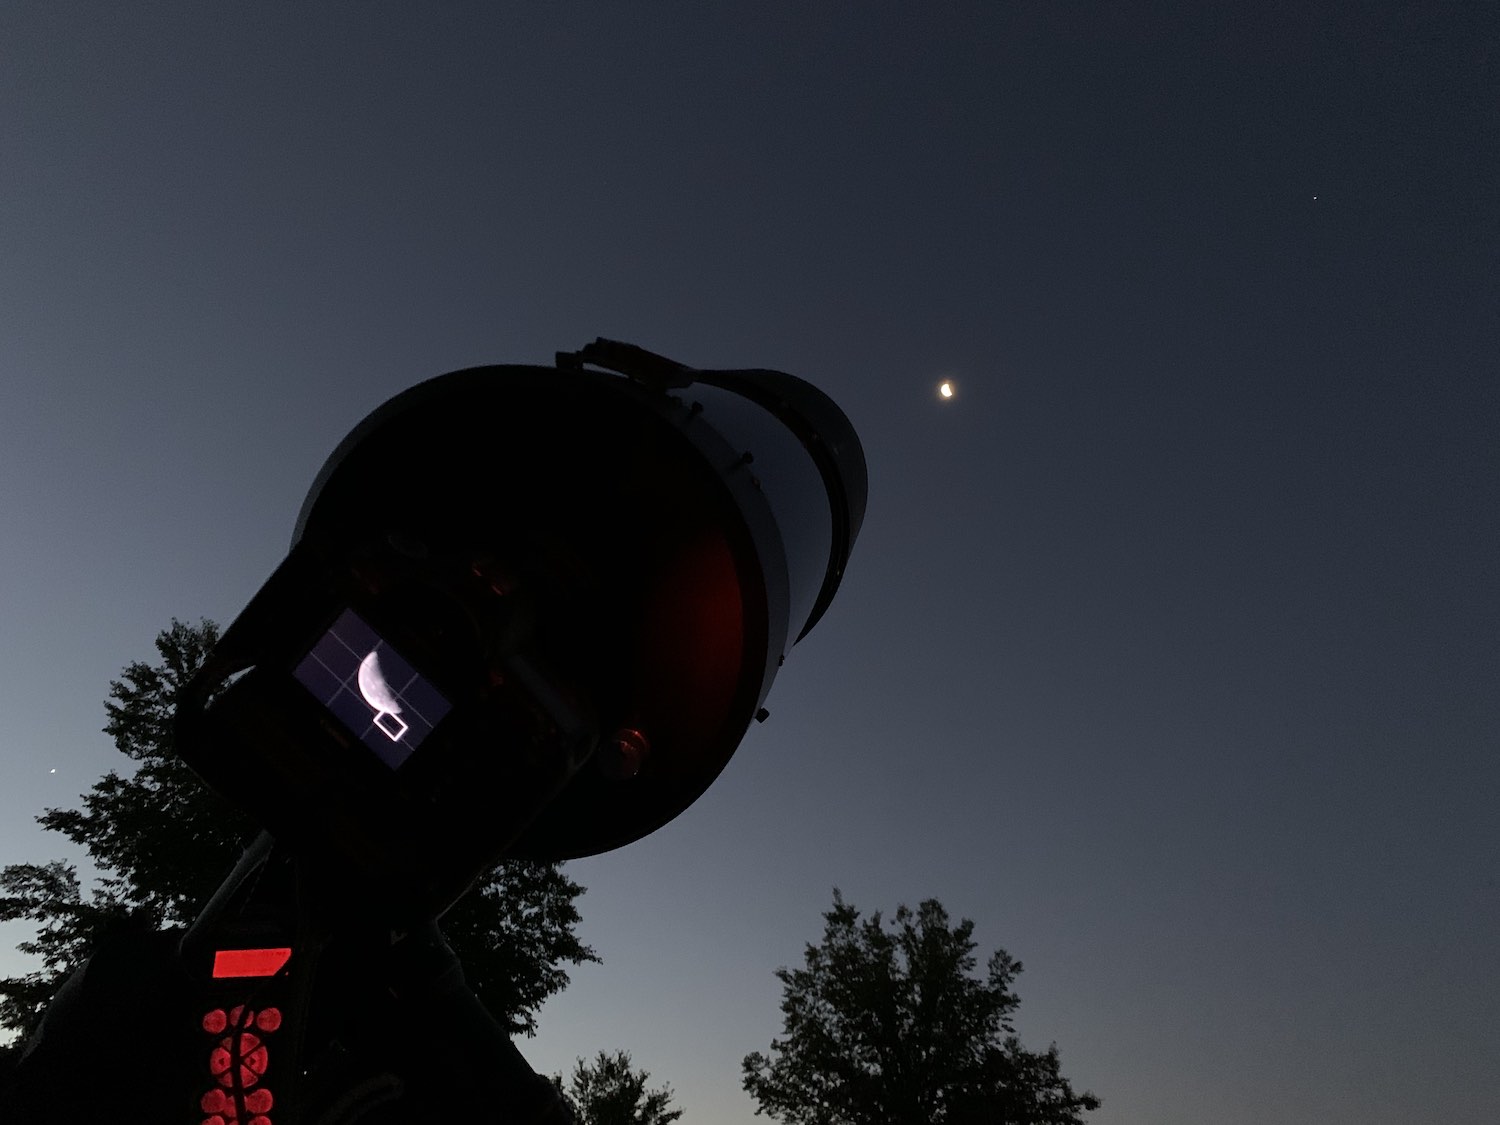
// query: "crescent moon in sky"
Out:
[372,686]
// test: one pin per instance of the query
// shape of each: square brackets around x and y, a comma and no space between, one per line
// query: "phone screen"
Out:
[372,689]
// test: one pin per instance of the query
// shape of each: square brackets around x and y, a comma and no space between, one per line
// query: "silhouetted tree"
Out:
[163,842]
[890,1028]
[608,1091]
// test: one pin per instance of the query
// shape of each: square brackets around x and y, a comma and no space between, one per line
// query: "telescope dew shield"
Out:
[504,572]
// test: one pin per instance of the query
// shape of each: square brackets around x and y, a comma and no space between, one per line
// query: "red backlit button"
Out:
[255,1060]
[258,1101]
[215,1101]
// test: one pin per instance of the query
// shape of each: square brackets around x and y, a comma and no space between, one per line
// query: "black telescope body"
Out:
[528,611]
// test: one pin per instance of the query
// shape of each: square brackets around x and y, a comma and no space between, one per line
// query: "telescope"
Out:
[529,612]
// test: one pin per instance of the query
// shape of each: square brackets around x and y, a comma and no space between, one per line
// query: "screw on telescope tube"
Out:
[624,753]
[408,545]
[493,575]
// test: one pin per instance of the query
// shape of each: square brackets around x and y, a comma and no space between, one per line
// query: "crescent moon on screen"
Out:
[372,686]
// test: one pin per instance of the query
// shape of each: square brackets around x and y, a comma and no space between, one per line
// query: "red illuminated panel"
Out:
[249,962]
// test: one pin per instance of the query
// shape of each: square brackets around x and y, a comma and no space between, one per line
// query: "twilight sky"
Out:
[1169,653]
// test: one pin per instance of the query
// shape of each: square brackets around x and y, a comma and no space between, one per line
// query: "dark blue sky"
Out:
[1169,651]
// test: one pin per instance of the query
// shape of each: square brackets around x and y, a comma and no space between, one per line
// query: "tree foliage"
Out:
[891,1027]
[163,842]
[609,1091]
